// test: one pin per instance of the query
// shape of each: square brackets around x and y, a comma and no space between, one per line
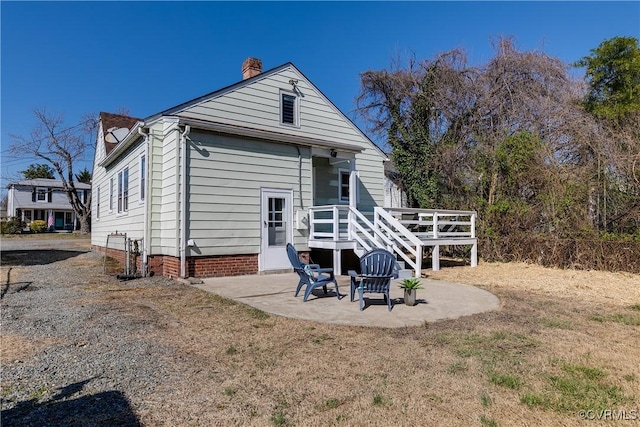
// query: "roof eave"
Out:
[269,136]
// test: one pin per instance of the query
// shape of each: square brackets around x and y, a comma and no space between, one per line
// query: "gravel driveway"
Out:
[67,359]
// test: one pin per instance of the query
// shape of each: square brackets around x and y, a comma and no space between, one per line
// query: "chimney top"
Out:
[251,67]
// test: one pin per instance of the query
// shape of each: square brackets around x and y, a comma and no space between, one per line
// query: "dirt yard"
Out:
[80,347]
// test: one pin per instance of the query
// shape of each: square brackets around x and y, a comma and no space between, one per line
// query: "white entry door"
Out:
[277,213]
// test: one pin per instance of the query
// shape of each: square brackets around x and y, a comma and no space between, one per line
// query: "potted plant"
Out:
[410,286]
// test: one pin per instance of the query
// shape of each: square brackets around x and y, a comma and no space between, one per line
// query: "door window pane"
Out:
[277,227]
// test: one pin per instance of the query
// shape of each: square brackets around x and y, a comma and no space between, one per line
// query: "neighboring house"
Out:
[44,199]
[394,197]
[218,185]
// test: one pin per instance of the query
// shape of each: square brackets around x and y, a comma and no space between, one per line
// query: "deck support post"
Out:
[435,258]
[420,251]
[337,262]
[474,255]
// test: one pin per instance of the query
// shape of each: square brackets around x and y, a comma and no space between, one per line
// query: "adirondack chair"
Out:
[311,275]
[377,268]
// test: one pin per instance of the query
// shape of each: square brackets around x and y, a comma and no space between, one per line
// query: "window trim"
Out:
[122,201]
[296,108]
[44,191]
[142,177]
[111,195]
[341,184]
[98,203]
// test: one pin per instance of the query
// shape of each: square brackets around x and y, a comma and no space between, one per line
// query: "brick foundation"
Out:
[204,266]
[223,265]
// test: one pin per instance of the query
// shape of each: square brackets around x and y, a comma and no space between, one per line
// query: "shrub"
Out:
[12,226]
[38,226]
[594,253]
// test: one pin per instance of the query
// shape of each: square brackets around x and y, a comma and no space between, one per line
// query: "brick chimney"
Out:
[251,67]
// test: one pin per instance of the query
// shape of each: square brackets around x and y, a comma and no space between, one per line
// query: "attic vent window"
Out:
[289,109]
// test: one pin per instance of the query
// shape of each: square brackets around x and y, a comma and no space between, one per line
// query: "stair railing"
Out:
[406,243]
[326,222]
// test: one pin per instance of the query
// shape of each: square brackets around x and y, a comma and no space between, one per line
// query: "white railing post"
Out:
[350,227]
[376,217]
[435,258]
[473,225]
[312,224]
[336,223]
[418,272]
[435,225]
[474,255]
[376,224]
[474,247]
[353,184]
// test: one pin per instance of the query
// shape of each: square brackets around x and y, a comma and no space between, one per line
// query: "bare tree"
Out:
[61,147]
[505,138]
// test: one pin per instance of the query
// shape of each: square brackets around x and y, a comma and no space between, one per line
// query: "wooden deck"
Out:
[403,231]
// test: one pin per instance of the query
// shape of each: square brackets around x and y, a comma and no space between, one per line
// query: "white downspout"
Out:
[146,247]
[183,201]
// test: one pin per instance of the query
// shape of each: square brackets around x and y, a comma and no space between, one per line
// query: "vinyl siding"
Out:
[164,196]
[257,106]
[110,221]
[226,175]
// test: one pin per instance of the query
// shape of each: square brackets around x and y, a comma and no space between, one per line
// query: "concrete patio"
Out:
[273,293]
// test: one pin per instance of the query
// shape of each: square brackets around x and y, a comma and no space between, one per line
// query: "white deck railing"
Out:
[403,231]
[437,224]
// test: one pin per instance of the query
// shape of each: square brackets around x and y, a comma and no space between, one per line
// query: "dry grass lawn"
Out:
[563,342]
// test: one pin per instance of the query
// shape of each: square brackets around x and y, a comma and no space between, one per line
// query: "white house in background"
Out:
[220,184]
[41,199]
[394,197]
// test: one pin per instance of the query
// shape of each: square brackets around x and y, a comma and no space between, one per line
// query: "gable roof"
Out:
[110,121]
[219,92]
[176,110]
[130,122]
[45,182]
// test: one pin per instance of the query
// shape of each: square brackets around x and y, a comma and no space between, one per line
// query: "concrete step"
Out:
[405,273]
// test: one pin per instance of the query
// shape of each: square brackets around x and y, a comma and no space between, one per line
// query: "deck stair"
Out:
[406,232]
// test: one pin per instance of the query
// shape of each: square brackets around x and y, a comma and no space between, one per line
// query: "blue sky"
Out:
[79,57]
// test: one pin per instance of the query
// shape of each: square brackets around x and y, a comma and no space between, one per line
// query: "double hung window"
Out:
[143,171]
[123,190]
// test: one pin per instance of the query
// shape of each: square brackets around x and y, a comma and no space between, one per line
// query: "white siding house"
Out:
[218,185]
[394,197]
[45,200]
